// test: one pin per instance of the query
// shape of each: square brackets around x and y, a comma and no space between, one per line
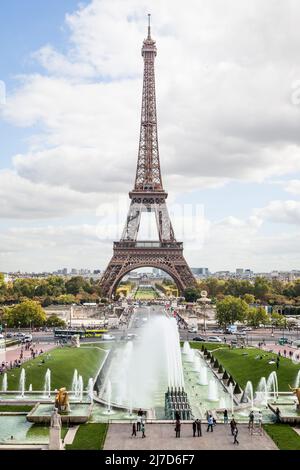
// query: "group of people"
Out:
[139,425]
[17,363]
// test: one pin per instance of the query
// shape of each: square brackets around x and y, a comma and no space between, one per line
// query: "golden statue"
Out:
[296,391]
[62,400]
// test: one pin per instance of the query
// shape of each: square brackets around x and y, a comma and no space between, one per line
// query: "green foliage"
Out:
[89,437]
[191,294]
[61,362]
[230,310]
[25,314]
[284,436]
[257,316]
[55,321]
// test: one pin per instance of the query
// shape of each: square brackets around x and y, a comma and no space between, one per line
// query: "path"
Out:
[162,437]
[13,352]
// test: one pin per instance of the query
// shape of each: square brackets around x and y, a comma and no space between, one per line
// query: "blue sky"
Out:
[227,120]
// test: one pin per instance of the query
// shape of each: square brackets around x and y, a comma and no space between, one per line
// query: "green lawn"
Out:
[243,366]
[145,294]
[89,437]
[15,408]
[62,362]
[284,436]
[208,346]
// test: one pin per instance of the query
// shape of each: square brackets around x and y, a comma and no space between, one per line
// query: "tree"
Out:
[257,316]
[261,288]
[249,298]
[230,310]
[278,319]
[25,314]
[191,294]
[55,321]
[76,284]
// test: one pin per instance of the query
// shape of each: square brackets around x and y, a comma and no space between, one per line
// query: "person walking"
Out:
[225,416]
[194,428]
[232,425]
[235,434]
[133,430]
[143,429]
[139,420]
[210,423]
[251,420]
[277,362]
[177,428]
[199,430]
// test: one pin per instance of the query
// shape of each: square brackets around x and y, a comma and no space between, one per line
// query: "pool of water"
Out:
[80,409]
[16,429]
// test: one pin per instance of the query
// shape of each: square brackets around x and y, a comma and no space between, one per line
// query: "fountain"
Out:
[203,376]
[248,393]
[47,384]
[30,388]
[90,389]
[261,395]
[108,396]
[212,394]
[231,396]
[196,364]
[4,383]
[297,380]
[74,387]
[186,347]
[272,384]
[80,388]
[222,403]
[22,382]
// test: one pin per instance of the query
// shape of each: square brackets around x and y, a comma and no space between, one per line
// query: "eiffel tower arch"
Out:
[148,195]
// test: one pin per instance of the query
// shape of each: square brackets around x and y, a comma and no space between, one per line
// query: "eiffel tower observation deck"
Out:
[148,195]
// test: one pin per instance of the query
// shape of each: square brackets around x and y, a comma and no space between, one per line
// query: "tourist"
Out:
[284,352]
[251,420]
[210,423]
[140,412]
[133,430]
[177,428]
[277,412]
[194,428]
[235,434]
[143,429]
[232,425]
[225,416]
[277,362]
[199,430]
[139,420]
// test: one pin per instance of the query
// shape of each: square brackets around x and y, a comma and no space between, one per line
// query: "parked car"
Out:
[282,341]
[247,328]
[107,337]
[241,333]
[199,338]
[27,339]
[193,330]
[214,339]
[217,332]
[9,335]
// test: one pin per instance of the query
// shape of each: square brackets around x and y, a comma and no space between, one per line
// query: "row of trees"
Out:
[28,314]
[234,309]
[260,290]
[51,290]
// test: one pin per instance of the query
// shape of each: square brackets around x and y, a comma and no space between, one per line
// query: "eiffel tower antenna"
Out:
[148,195]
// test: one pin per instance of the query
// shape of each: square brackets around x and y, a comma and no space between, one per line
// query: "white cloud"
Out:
[293,187]
[222,86]
[286,212]
[22,199]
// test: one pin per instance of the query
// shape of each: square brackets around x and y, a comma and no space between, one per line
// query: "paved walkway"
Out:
[162,437]
[70,436]
[13,352]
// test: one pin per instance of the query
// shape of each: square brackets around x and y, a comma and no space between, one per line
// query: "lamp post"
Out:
[5,335]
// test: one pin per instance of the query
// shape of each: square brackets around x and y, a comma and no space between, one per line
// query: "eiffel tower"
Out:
[148,195]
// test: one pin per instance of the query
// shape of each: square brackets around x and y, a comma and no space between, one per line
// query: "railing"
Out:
[147,244]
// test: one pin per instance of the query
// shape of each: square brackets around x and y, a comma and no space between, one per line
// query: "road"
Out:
[142,314]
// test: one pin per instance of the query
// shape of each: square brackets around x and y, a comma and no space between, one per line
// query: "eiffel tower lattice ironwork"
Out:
[148,195]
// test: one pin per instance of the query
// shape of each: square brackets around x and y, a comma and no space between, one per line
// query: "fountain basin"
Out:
[79,413]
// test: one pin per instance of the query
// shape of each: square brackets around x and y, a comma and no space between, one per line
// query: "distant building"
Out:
[203,272]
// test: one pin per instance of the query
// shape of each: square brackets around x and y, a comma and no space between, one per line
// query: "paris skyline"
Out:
[228,117]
